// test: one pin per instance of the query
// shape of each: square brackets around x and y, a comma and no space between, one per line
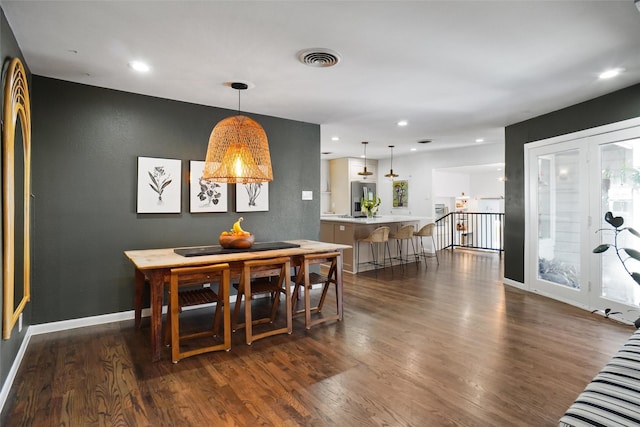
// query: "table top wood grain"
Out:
[147,259]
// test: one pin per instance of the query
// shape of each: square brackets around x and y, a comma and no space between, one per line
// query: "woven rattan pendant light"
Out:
[238,151]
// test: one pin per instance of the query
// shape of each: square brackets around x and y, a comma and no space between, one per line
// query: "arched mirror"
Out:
[16,190]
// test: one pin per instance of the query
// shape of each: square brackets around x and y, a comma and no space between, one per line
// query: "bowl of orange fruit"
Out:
[236,238]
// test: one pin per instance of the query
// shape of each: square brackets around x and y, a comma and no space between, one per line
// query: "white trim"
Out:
[586,140]
[64,325]
[8,382]
[599,130]
[515,284]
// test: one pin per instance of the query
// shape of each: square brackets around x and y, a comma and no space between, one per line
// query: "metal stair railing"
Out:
[473,230]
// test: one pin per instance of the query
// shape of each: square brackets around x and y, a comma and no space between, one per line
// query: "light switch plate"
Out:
[307,195]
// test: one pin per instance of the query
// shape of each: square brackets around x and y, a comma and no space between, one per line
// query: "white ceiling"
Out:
[456,70]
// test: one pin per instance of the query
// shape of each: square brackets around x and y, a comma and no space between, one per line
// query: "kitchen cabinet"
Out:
[342,172]
[347,231]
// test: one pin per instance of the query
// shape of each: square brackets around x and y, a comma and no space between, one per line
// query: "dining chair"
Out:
[304,281]
[405,234]
[190,287]
[263,277]
[427,231]
[379,236]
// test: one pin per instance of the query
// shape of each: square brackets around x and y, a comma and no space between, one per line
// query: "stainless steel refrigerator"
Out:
[358,191]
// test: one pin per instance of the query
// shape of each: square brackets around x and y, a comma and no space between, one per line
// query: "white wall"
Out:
[325,185]
[417,168]
[487,185]
[450,185]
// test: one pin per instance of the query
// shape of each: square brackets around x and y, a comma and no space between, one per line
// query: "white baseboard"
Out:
[515,284]
[8,383]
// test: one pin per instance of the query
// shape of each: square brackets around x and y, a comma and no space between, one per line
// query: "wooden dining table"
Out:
[153,266]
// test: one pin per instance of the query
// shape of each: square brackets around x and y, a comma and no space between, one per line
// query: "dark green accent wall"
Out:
[86,141]
[614,107]
[9,349]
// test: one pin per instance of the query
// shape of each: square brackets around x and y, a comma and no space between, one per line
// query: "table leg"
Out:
[339,285]
[137,300]
[156,281]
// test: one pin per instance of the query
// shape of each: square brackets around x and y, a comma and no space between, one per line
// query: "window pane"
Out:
[559,218]
[620,185]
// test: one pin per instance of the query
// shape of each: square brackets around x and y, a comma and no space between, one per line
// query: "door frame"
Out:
[590,271]
[575,296]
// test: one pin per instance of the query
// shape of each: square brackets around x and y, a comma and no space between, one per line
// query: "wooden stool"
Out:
[191,276]
[306,279]
[267,276]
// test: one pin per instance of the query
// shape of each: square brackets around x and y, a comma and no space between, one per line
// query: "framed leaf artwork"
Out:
[159,185]
[205,196]
[252,197]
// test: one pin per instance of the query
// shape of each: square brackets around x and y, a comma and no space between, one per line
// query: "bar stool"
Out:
[378,236]
[405,233]
[306,279]
[194,278]
[265,276]
[427,231]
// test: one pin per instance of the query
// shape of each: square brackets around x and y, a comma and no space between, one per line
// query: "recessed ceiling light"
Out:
[139,66]
[402,123]
[335,138]
[480,140]
[414,149]
[611,73]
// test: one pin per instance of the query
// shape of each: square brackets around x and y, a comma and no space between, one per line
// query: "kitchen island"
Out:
[347,230]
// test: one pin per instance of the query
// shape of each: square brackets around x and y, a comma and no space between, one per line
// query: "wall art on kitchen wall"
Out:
[159,185]
[253,197]
[401,194]
[205,196]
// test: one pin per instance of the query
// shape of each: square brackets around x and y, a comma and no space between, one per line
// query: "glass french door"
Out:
[619,193]
[558,218]
[572,181]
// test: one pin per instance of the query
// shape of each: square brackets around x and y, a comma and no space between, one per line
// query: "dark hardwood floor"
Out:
[446,346]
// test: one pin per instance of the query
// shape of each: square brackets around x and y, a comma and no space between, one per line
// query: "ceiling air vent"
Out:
[425,141]
[319,57]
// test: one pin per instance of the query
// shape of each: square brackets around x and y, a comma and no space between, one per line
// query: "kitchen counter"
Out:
[382,219]
[348,230]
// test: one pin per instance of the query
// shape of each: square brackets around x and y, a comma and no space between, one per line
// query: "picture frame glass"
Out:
[253,197]
[159,184]
[401,194]
[205,196]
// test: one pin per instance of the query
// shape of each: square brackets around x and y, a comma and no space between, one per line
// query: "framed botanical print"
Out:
[252,197]
[159,185]
[205,196]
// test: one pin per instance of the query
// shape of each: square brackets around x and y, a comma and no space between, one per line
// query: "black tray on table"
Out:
[218,250]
